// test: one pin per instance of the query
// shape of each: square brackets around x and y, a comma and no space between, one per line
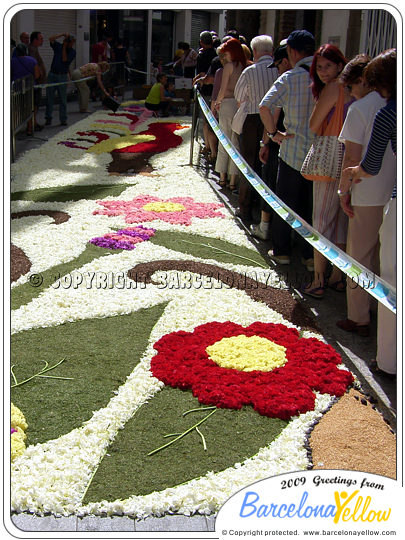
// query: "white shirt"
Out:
[254,82]
[357,128]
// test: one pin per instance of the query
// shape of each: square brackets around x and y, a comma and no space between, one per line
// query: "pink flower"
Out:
[176,210]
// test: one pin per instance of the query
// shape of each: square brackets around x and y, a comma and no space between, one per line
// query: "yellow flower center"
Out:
[247,353]
[163,207]
[116,143]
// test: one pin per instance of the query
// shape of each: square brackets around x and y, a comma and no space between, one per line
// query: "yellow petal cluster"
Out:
[247,353]
[116,143]
[19,423]
[163,207]
[17,418]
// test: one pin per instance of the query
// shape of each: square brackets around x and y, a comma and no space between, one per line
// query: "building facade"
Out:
[150,35]
[154,34]
[352,30]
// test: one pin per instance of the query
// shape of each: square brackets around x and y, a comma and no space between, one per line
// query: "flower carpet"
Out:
[158,364]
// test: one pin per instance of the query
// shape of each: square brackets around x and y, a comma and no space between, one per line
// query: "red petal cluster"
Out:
[165,139]
[182,362]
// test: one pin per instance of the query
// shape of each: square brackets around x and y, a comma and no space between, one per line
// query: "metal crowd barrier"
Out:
[21,106]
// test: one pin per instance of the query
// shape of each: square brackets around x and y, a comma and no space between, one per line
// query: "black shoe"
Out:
[38,127]
[239,214]
[63,124]
[379,372]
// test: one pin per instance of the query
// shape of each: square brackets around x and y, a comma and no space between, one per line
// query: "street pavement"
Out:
[357,352]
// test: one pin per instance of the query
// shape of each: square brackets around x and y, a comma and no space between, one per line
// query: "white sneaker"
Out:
[280,259]
[257,232]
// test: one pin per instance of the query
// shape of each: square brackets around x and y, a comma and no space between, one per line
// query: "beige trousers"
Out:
[83,89]
[224,164]
[387,321]
[362,245]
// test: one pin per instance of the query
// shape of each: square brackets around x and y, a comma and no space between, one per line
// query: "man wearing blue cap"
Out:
[292,93]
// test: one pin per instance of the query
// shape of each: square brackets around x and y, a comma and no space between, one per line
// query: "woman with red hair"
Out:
[226,105]
[331,103]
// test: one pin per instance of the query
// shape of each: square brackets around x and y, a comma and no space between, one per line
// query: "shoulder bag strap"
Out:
[334,126]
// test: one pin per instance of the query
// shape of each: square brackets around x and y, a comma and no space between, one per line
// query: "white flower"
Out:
[53,476]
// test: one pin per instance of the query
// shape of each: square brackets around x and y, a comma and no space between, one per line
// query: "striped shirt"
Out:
[384,131]
[293,94]
[254,82]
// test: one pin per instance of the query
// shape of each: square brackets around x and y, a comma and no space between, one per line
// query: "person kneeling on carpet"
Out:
[156,99]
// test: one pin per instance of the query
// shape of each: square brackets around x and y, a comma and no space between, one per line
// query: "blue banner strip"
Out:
[370,282]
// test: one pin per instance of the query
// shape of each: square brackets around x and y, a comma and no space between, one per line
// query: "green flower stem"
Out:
[39,374]
[199,409]
[219,250]
[93,474]
[202,438]
[183,434]
[12,373]
[56,377]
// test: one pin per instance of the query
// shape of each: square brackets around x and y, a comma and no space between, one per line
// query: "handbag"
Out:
[324,160]
[111,103]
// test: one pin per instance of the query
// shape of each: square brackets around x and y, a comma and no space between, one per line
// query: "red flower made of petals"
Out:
[182,362]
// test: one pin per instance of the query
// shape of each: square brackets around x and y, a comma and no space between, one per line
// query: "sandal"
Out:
[348,325]
[313,292]
[232,186]
[338,286]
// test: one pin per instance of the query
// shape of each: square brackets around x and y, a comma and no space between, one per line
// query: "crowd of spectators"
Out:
[26,60]
[275,110]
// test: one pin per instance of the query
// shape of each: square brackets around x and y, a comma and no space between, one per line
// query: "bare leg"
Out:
[337,275]
[265,217]
[232,183]
[212,143]
[222,179]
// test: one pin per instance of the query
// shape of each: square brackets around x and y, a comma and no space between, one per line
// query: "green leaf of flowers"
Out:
[208,248]
[22,294]
[231,436]
[99,355]
[70,193]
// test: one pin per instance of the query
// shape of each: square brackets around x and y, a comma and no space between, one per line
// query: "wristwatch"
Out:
[271,135]
[262,143]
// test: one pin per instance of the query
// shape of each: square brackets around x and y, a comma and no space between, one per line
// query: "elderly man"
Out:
[63,55]
[292,93]
[25,38]
[252,85]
